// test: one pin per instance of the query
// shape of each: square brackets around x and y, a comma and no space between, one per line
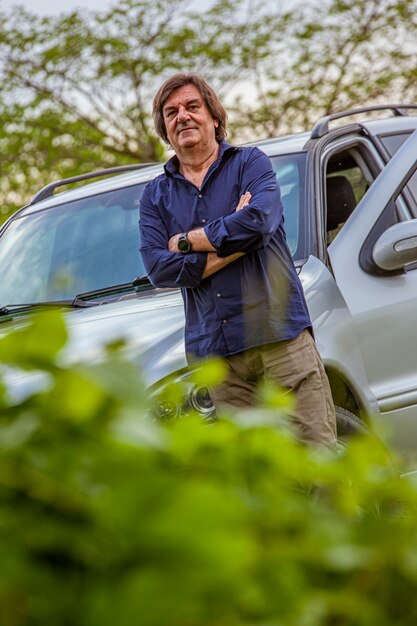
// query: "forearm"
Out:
[247,241]
[199,241]
[248,230]
[215,263]
[198,238]
[167,269]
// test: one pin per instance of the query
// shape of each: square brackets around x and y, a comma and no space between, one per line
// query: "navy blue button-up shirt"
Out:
[258,298]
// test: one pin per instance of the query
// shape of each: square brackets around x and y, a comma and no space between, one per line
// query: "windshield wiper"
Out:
[142,281]
[10,309]
[81,299]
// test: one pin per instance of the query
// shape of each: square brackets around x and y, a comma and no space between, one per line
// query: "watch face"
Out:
[183,244]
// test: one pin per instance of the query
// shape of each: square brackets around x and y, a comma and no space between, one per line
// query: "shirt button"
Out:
[203,221]
[200,195]
[218,294]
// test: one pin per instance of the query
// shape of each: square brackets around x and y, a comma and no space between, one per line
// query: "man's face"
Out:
[188,122]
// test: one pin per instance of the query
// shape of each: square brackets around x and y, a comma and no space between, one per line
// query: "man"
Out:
[212,224]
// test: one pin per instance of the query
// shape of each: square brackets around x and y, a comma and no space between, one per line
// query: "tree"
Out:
[76,89]
[340,54]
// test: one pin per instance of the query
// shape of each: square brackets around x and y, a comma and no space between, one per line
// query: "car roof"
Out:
[92,189]
[391,125]
[287,144]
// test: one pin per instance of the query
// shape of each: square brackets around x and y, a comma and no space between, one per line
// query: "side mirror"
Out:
[397,246]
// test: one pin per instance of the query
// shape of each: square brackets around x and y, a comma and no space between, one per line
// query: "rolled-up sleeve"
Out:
[252,227]
[165,268]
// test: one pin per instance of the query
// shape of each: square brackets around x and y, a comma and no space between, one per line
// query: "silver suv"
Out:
[351,222]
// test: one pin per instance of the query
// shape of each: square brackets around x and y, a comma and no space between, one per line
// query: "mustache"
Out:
[185,126]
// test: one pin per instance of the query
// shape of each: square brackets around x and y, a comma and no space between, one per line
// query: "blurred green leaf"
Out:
[36,343]
[108,514]
[73,397]
[211,373]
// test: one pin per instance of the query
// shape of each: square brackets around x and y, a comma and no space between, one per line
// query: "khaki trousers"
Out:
[297,367]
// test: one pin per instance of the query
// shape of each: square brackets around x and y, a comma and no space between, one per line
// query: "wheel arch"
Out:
[344,394]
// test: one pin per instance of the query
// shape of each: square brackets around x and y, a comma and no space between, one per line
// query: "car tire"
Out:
[348,424]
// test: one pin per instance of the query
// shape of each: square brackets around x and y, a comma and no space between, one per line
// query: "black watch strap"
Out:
[184,244]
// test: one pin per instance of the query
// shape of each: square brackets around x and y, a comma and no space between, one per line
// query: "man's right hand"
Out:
[244,200]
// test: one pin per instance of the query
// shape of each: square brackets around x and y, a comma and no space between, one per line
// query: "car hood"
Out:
[151,326]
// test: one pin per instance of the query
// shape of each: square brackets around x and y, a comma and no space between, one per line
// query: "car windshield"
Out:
[89,244]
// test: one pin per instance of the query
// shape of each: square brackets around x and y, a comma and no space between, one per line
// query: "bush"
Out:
[108,517]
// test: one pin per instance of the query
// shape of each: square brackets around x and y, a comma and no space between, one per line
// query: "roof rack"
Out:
[48,190]
[321,127]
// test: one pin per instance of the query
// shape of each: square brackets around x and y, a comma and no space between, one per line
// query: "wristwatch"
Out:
[184,244]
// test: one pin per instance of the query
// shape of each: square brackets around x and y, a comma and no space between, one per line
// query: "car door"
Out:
[383,304]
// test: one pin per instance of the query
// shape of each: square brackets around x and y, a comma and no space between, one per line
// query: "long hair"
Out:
[210,98]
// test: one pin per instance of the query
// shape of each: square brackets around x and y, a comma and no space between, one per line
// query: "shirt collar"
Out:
[172,166]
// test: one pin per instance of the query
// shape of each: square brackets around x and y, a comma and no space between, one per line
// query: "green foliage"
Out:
[76,88]
[336,56]
[36,345]
[107,516]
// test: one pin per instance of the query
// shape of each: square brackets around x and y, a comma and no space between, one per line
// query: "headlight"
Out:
[163,409]
[175,398]
[200,400]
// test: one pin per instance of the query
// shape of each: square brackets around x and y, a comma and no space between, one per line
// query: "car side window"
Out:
[347,180]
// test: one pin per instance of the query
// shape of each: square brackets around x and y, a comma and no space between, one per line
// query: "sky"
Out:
[60,6]
[48,7]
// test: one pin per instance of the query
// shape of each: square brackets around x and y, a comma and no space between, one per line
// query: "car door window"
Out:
[347,180]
